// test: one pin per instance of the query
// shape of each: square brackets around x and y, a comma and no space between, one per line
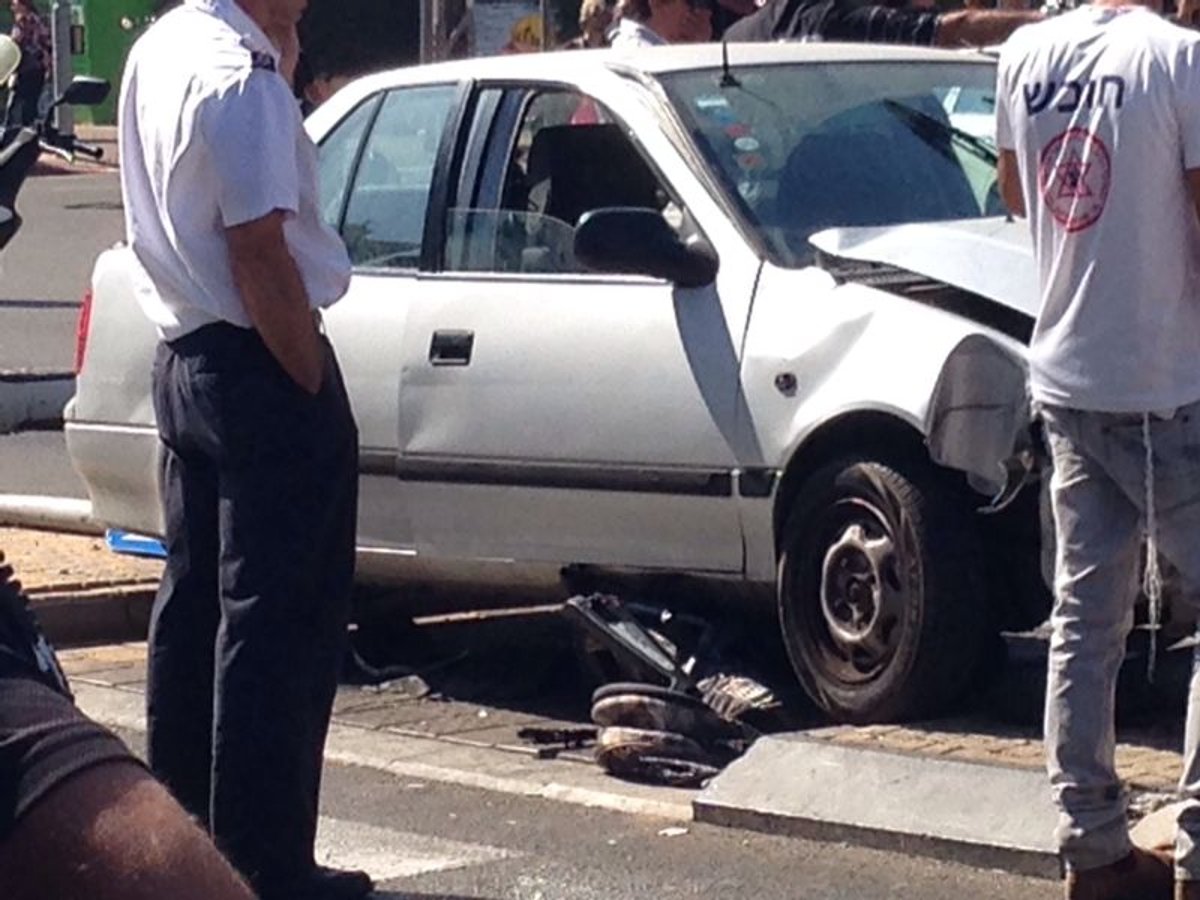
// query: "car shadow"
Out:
[532,662]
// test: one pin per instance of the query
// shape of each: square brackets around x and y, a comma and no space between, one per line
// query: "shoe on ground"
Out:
[1142,875]
[324,883]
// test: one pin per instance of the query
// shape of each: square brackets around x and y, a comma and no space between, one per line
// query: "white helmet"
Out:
[10,57]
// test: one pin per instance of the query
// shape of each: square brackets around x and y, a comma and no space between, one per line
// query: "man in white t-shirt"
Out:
[1098,121]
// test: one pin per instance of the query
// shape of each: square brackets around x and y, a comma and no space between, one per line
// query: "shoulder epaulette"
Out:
[261,60]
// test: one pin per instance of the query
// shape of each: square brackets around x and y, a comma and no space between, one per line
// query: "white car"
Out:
[752,315]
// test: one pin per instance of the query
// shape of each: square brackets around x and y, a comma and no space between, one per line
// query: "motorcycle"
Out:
[21,147]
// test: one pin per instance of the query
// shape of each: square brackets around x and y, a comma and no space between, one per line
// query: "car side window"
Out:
[337,154]
[385,216]
[567,156]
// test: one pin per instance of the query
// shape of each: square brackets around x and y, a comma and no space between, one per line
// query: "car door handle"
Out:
[451,348]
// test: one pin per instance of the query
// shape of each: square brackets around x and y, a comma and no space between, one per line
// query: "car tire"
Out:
[879,596]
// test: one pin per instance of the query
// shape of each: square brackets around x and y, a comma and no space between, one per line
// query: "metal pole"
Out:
[547,25]
[61,68]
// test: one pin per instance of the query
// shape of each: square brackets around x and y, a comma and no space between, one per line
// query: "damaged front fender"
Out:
[979,419]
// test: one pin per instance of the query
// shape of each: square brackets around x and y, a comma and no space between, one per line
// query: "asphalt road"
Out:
[443,842]
[69,220]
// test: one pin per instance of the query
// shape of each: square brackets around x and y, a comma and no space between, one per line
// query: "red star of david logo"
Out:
[1072,176]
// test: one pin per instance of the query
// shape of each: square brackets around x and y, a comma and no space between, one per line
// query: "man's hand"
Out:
[1193,180]
[7,581]
[1009,177]
[275,298]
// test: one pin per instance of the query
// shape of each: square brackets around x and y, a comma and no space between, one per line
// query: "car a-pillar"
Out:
[879,586]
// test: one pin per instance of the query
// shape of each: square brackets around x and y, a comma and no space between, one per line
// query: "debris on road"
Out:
[681,734]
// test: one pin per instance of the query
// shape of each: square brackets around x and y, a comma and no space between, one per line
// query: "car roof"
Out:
[657,60]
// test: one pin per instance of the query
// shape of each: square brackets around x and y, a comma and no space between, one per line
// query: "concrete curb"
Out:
[100,616]
[82,613]
[30,399]
[985,816]
[43,513]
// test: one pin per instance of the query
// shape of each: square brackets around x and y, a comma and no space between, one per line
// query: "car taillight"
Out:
[81,330]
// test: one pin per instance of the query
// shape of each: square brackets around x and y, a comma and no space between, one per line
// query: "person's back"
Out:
[1100,103]
[1098,126]
[171,144]
[210,58]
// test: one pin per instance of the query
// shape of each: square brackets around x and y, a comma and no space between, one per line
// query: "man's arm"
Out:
[113,833]
[1010,183]
[275,298]
[1193,180]
[980,27]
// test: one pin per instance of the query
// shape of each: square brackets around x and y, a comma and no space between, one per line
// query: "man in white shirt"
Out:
[1098,121]
[259,448]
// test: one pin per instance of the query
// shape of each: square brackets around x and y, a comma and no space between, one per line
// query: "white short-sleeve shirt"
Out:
[211,137]
[629,34]
[1102,109]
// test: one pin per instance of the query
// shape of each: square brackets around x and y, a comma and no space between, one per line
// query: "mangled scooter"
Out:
[21,147]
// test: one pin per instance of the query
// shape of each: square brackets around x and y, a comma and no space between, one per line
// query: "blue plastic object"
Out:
[134,544]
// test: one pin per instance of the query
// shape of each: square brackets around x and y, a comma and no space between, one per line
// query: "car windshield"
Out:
[808,146]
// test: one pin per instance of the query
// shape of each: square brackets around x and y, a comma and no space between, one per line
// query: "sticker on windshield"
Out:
[712,101]
[1074,175]
[747,144]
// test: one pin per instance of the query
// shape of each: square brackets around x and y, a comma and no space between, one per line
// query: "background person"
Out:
[1098,123]
[27,83]
[651,23]
[258,443]
[595,19]
[878,23]
[75,805]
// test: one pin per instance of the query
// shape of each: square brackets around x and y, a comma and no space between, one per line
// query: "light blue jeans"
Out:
[1099,500]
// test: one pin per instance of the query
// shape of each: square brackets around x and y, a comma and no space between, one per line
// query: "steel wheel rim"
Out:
[864,577]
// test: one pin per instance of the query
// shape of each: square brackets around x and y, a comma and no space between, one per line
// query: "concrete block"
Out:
[981,815]
[28,399]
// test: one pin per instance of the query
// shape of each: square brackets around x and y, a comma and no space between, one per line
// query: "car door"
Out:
[549,413]
[377,167]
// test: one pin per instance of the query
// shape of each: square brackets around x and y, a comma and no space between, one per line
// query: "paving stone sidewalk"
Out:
[81,590]
[64,573]
[405,706]
[50,564]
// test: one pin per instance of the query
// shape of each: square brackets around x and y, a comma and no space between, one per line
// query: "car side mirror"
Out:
[637,241]
[84,91]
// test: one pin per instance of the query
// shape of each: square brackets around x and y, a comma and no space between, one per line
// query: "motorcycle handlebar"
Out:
[67,145]
[89,150]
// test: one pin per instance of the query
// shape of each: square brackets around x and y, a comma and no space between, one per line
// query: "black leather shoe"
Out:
[324,883]
[342,884]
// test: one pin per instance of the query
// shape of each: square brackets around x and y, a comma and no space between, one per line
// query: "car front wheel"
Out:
[877,589]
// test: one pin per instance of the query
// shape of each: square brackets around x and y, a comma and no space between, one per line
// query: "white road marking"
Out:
[388,854]
[430,760]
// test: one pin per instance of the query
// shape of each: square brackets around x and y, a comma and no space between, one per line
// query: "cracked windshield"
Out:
[803,148]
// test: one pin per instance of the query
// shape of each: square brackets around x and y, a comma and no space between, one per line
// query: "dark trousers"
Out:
[259,490]
[23,99]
